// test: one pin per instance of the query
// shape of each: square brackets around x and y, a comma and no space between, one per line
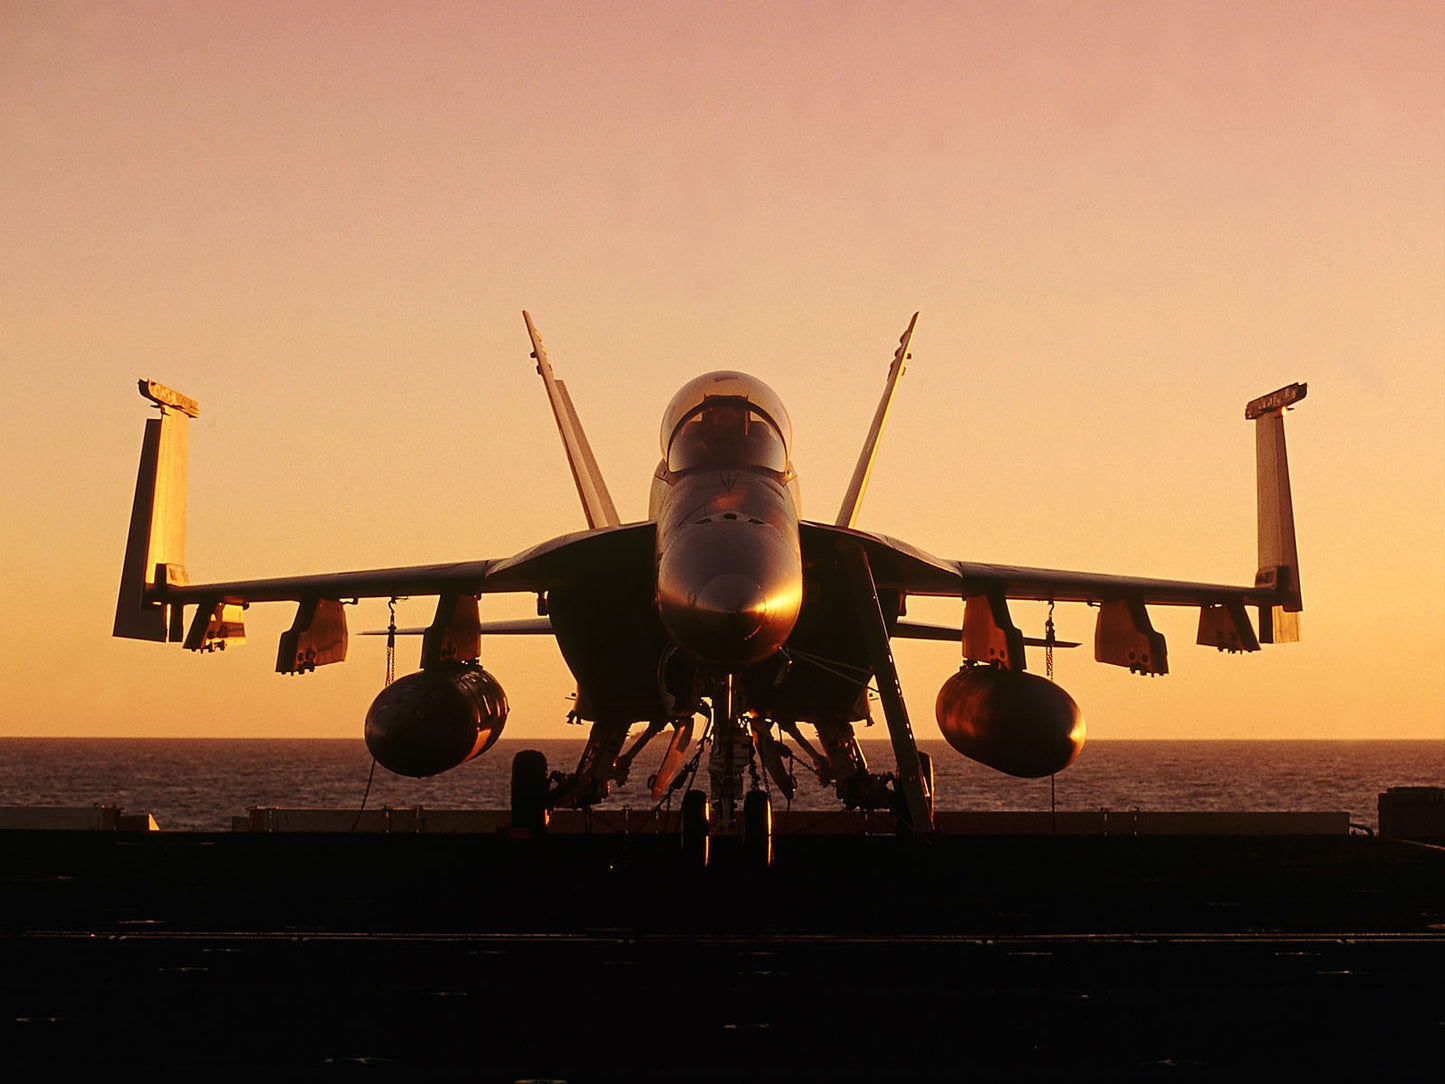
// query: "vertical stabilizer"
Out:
[853,498]
[156,547]
[596,501]
[1278,557]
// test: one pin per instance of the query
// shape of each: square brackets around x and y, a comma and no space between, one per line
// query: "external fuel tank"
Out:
[1015,722]
[435,719]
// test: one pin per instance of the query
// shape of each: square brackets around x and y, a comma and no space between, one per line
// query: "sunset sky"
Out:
[1120,222]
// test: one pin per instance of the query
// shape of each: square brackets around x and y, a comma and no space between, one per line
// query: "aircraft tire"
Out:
[925,764]
[695,829]
[529,791]
[758,829]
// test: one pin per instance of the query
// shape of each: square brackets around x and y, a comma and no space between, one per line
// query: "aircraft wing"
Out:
[535,569]
[318,634]
[1123,635]
[908,569]
[156,587]
[469,576]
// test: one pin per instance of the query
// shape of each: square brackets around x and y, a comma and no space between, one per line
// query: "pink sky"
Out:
[1120,223]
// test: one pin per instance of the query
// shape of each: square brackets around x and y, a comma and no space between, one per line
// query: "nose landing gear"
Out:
[696,829]
[758,829]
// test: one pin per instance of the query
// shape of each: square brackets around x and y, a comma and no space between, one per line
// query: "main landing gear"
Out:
[696,828]
[758,829]
[530,811]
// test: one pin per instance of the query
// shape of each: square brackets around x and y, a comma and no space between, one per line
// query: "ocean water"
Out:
[199,784]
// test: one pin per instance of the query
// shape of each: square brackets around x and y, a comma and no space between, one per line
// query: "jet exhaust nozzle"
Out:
[1014,722]
[435,719]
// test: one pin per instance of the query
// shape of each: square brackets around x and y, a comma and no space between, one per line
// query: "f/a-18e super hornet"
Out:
[725,605]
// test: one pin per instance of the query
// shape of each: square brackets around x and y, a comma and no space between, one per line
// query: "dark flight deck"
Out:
[586,958]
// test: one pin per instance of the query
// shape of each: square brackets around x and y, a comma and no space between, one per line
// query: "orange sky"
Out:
[1120,223]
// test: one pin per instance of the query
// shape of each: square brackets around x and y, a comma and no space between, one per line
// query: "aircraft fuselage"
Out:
[729,573]
[729,565]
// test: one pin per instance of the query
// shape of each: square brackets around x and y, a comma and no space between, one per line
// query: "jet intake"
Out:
[1012,721]
[436,719]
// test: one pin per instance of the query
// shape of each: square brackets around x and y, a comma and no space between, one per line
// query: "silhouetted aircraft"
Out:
[723,605]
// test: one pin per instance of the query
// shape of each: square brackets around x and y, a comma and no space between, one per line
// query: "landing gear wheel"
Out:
[529,791]
[758,829]
[695,829]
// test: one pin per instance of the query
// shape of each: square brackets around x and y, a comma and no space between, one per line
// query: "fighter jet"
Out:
[725,605]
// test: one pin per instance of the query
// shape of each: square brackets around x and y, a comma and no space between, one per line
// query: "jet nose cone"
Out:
[729,618]
[728,612]
[729,592]
[734,598]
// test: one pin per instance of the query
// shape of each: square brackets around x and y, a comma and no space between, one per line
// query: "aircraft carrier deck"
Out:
[597,957]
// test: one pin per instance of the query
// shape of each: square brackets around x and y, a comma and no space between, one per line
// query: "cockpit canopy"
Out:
[726,421]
